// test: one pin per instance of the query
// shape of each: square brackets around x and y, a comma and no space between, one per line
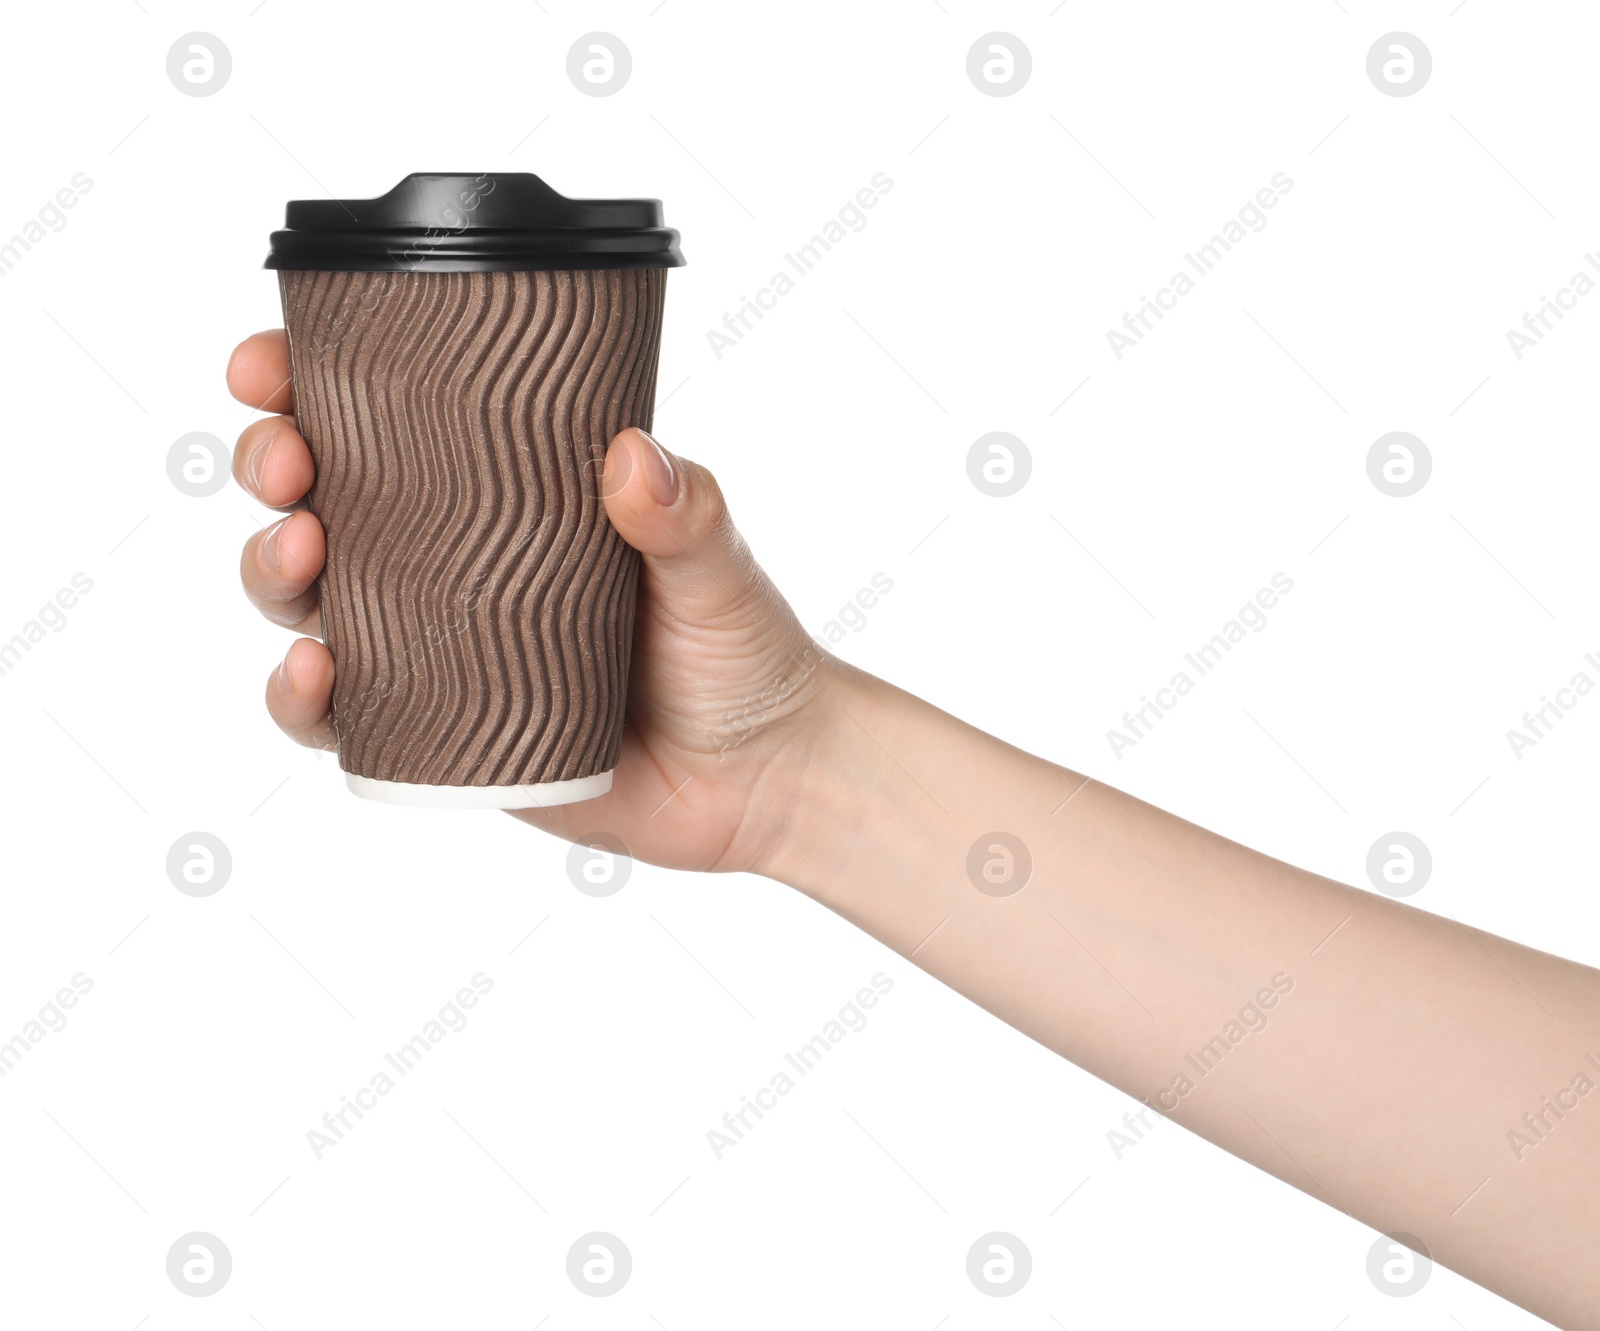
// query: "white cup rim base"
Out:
[542,795]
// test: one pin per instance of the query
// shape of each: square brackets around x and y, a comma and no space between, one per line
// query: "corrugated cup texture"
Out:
[477,601]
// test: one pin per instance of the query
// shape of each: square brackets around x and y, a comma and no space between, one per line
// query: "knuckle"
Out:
[712,504]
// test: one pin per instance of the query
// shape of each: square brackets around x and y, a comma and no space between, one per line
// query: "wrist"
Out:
[850,804]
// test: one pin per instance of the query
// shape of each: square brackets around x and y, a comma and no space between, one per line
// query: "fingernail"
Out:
[270,544]
[658,472]
[258,461]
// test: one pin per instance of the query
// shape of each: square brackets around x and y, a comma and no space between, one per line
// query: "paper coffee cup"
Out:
[463,349]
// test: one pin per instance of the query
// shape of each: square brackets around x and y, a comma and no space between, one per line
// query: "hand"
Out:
[728,693]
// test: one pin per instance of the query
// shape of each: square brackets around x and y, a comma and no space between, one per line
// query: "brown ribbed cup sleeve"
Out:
[477,601]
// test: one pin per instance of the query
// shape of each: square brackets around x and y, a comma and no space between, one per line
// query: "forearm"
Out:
[1371,1054]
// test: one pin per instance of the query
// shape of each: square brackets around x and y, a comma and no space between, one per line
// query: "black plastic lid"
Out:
[446,222]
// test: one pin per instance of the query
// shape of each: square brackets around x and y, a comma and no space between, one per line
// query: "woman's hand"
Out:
[727,693]
[1277,1013]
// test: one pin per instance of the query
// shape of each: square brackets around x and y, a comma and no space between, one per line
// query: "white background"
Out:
[1225,448]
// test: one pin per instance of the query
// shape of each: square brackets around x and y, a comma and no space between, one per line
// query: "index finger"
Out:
[258,372]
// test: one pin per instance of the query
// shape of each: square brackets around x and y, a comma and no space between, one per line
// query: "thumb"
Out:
[671,510]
